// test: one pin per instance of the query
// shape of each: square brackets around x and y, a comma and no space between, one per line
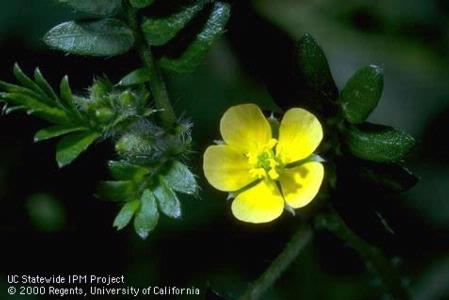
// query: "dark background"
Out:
[51,223]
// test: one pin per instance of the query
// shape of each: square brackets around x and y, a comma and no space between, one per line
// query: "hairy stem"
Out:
[298,241]
[156,83]
[372,255]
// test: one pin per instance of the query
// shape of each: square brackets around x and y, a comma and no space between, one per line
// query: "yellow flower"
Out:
[266,173]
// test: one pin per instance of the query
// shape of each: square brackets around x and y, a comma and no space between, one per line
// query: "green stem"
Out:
[156,83]
[373,255]
[298,241]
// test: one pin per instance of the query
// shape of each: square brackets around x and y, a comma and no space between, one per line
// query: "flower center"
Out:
[265,162]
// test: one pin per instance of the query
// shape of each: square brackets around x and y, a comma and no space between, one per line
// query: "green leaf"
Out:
[378,143]
[136,77]
[46,213]
[180,179]
[122,170]
[71,146]
[126,214]
[362,94]
[159,31]
[35,107]
[147,216]
[168,202]
[390,177]
[56,131]
[120,191]
[10,109]
[67,97]
[314,68]
[95,7]
[141,3]
[38,97]
[44,85]
[195,53]
[106,37]
[26,81]
[12,88]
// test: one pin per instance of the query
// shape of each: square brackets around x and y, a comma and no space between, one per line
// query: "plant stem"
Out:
[158,88]
[156,83]
[298,241]
[372,255]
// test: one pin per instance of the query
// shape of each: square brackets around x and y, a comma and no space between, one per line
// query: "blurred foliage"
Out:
[29,19]
[46,212]
[408,39]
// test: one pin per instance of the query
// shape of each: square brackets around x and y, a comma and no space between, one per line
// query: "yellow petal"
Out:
[226,168]
[245,127]
[259,204]
[301,184]
[300,133]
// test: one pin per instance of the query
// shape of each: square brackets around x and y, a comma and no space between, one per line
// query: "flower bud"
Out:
[126,99]
[104,115]
[134,145]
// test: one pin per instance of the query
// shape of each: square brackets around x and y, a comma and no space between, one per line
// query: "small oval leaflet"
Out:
[362,93]
[314,67]
[159,31]
[136,77]
[126,214]
[197,50]
[147,216]
[107,37]
[167,199]
[378,142]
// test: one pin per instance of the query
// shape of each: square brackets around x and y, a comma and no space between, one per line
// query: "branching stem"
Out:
[156,83]
[372,255]
[298,241]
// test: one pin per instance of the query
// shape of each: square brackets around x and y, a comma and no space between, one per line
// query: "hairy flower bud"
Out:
[104,115]
[134,145]
[126,99]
